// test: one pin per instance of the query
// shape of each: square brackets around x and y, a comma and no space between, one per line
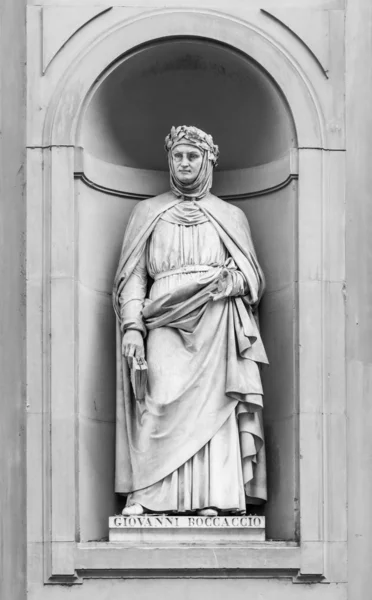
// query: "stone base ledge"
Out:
[163,528]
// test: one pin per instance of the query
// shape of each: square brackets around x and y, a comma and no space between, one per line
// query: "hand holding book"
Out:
[138,377]
[133,349]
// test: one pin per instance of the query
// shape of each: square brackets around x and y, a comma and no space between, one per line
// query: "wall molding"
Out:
[69,21]
[139,184]
[199,561]
[275,17]
[52,268]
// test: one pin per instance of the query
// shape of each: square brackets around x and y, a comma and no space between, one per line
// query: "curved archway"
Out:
[186,80]
[74,89]
[122,132]
[70,103]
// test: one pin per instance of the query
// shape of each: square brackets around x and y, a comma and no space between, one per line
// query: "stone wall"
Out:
[335,495]
[359,294]
[70,434]
[12,301]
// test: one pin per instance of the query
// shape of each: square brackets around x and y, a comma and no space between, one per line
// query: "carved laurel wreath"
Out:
[195,136]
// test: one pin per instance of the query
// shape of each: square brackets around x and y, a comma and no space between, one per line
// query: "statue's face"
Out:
[187,160]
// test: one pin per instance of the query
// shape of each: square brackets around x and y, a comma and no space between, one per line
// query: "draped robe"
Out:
[197,438]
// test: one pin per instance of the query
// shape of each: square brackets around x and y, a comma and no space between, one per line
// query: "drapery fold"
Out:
[203,361]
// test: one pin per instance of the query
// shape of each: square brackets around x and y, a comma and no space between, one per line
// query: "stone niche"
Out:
[121,160]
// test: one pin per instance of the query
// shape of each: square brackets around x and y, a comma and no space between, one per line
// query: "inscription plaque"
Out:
[158,528]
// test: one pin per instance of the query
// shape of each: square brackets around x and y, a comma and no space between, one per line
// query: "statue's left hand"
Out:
[224,286]
[133,345]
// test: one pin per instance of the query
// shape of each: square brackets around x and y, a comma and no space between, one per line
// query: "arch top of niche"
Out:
[74,91]
[305,97]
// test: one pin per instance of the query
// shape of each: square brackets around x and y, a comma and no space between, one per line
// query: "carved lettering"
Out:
[154,521]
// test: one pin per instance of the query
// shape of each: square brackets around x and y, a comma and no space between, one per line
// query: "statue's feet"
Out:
[208,512]
[133,510]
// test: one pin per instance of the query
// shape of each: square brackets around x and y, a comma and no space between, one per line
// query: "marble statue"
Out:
[186,294]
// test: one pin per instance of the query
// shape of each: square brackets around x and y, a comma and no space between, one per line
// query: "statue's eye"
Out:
[194,156]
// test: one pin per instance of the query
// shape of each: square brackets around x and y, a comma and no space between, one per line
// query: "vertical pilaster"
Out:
[359,293]
[12,301]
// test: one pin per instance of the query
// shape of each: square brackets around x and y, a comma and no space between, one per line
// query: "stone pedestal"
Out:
[163,528]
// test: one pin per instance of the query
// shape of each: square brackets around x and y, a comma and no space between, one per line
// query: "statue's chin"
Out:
[185,179]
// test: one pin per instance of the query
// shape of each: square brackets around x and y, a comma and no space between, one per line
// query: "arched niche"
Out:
[121,136]
[190,81]
[77,498]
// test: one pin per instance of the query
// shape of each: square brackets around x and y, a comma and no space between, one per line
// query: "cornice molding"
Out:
[139,184]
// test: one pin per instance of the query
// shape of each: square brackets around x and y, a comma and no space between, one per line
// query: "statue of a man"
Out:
[186,293]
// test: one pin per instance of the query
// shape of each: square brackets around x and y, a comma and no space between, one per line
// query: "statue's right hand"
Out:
[133,345]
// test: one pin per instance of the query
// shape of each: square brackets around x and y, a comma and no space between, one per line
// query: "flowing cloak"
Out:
[149,449]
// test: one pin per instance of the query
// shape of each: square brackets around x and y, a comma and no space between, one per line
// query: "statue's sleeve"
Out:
[240,285]
[132,298]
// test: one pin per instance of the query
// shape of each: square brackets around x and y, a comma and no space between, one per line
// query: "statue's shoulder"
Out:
[145,209]
[225,208]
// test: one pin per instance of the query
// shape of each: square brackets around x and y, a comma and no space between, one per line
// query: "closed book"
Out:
[138,376]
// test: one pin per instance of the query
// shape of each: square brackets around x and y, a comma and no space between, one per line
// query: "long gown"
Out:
[183,247]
